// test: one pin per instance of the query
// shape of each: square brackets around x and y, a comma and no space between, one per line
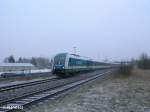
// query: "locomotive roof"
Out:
[81,57]
[73,56]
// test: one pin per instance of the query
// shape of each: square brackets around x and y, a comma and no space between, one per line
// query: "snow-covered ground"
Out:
[41,71]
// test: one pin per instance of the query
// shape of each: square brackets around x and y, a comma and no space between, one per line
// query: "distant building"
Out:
[7,67]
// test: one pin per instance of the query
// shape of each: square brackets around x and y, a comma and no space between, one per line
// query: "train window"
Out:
[75,62]
[60,59]
[71,62]
[79,62]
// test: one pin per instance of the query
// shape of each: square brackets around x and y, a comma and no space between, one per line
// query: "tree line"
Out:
[40,62]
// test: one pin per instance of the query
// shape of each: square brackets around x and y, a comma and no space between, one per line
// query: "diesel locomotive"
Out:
[65,64]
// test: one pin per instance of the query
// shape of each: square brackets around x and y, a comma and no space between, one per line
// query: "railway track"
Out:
[28,99]
[10,92]
[29,83]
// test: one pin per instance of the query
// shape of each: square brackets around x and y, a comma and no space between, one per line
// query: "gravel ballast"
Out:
[116,94]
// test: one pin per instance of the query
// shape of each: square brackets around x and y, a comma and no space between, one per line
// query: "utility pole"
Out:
[74,49]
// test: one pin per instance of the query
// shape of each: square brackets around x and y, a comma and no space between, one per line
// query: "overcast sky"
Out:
[100,29]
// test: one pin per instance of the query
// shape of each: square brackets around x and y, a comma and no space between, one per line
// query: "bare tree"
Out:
[144,61]
[9,59]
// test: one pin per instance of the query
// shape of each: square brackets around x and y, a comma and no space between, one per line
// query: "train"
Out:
[65,64]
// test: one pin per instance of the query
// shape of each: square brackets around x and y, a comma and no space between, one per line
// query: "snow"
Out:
[28,71]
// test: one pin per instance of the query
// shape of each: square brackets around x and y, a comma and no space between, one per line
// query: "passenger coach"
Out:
[65,64]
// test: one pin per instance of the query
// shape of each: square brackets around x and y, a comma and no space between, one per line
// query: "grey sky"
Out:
[112,29]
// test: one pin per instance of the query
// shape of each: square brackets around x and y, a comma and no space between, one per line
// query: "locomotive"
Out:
[65,64]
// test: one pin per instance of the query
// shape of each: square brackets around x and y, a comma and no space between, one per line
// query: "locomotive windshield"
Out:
[60,59]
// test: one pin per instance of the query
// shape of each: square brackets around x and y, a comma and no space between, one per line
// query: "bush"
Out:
[125,68]
[144,62]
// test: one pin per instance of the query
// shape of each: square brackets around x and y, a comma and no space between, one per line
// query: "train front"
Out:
[58,64]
